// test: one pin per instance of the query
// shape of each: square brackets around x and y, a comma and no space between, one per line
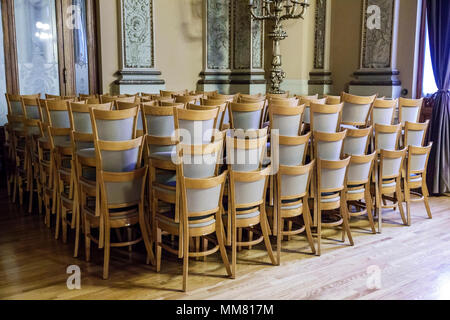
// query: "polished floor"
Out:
[402,263]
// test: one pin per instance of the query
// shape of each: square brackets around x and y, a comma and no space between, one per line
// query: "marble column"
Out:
[233,59]
[320,77]
[377,72]
[216,46]
[137,64]
[248,75]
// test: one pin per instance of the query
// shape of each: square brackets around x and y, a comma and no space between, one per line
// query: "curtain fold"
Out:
[438,176]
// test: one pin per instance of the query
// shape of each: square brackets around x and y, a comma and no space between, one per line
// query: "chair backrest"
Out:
[246,116]
[409,110]
[201,161]
[415,133]
[331,175]
[294,181]
[307,103]
[202,199]
[172,94]
[245,155]
[288,102]
[357,109]
[204,94]
[158,121]
[360,169]
[325,118]
[328,146]
[80,117]
[121,177]
[333,99]
[418,160]
[287,120]
[292,150]
[357,141]
[248,189]
[130,105]
[195,127]
[57,112]
[222,109]
[383,112]
[187,99]
[391,164]
[227,97]
[387,137]
[31,108]
[117,125]
[171,104]
[14,103]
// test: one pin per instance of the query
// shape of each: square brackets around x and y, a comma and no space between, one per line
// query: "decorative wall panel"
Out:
[320,34]
[218,34]
[137,34]
[377,42]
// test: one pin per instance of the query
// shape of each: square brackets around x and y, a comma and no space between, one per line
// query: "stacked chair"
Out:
[193,173]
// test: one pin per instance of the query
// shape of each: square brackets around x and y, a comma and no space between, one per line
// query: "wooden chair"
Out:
[326,118]
[222,113]
[201,216]
[188,99]
[383,112]
[409,110]
[130,105]
[32,119]
[358,186]
[278,95]
[287,120]
[19,161]
[121,179]
[246,116]
[195,127]
[115,99]
[83,150]
[356,110]
[56,97]
[331,195]
[415,134]
[389,174]
[288,102]
[307,114]
[248,209]
[387,137]
[328,146]
[171,104]
[416,178]
[172,94]
[205,94]
[357,141]
[292,187]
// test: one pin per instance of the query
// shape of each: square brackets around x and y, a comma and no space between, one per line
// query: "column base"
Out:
[233,82]
[320,83]
[385,83]
[132,82]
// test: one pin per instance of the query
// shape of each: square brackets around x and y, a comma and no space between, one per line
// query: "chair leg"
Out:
[185,260]
[223,251]
[107,252]
[279,240]
[345,216]
[77,232]
[233,245]
[399,197]
[30,202]
[240,239]
[87,239]
[319,231]
[369,207]
[58,219]
[158,249]
[146,237]
[264,223]
[308,222]
[426,194]
[64,223]
[379,211]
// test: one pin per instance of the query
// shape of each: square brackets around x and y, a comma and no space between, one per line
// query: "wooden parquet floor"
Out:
[402,263]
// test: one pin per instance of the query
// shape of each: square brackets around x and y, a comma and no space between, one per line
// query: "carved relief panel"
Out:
[218,34]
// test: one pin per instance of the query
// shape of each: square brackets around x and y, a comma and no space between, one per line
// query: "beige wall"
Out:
[178,42]
[109,42]
[345,41]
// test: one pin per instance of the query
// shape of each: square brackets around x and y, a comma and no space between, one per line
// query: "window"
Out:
[429,82]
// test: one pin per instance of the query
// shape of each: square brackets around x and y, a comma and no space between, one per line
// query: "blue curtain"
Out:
[438,176]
